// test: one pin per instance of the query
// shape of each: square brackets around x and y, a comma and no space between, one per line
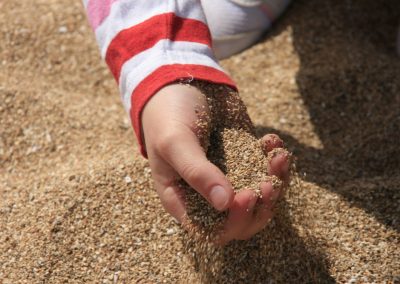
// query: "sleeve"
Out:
[148,44]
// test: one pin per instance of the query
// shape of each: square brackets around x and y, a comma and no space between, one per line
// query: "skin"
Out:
[174,151]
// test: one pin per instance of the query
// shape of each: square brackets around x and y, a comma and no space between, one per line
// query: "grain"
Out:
[326,79]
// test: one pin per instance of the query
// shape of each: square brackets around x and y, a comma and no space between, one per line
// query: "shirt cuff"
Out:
[166,75]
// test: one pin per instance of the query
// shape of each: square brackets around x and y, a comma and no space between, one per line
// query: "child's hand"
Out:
[174,151]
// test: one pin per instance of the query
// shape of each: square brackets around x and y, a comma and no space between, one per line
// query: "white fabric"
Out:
[237,24]
[248,3]
[233,27]
[228,46]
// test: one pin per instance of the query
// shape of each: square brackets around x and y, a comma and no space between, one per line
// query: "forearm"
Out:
[149,44]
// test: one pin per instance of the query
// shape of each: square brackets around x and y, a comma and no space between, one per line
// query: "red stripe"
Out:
[131,41]
[163,76]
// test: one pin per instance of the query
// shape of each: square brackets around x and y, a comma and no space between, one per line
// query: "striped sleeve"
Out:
[148,44]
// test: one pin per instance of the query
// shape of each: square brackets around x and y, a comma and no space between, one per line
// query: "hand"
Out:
[174,151]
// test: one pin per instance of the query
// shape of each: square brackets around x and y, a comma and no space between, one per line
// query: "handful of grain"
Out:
[228,137]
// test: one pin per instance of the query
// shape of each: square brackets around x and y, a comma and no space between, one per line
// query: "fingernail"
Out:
[219,197]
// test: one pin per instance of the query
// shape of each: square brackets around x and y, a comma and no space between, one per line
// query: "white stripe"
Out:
[127,13]
[247,3]
[165,52]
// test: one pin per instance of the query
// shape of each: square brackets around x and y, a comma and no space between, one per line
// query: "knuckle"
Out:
[190,172]
[165,142]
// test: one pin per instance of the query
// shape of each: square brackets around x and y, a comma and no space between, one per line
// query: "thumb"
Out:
[183,153]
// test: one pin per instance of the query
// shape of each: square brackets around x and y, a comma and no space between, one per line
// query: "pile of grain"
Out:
[77,203]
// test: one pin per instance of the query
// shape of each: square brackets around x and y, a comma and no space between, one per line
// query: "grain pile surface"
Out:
[76,200]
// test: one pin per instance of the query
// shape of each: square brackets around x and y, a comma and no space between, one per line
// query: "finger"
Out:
[279,163]
[264,212]
[261,220]
[172,199]
[171,196]
[270,142]
[185,155]
[239,217]
[271,192]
